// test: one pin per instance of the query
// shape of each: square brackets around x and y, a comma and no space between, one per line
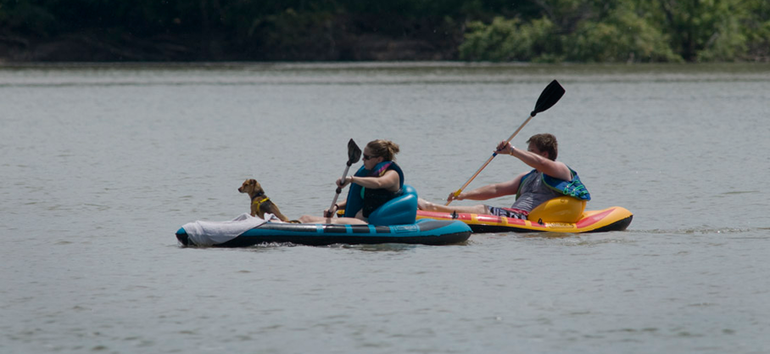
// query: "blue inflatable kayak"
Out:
[394,222]
[426,232]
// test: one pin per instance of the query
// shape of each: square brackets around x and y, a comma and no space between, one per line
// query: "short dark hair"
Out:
[545,142]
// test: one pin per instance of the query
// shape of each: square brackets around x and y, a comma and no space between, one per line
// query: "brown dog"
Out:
[260,203]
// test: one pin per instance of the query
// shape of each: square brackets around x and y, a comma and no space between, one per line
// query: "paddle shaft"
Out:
[339,190]
[354,154]
[550,95]
[489,160]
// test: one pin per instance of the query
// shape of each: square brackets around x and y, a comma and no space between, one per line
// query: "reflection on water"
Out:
[175,74]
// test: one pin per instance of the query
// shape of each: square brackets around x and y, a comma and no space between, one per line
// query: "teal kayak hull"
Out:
[426,232]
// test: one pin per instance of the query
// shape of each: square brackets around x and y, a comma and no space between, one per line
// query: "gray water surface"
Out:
[101,164]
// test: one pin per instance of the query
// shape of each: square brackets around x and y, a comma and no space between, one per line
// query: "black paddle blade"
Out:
[551,94]
[354,152]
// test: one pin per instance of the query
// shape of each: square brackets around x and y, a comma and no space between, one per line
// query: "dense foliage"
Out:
[494,30]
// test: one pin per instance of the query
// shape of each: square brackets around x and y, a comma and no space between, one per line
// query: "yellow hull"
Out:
[610,219]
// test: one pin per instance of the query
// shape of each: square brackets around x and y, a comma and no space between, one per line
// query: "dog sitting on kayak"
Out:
[260,203]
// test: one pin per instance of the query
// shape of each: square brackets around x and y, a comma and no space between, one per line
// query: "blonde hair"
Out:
[383,148]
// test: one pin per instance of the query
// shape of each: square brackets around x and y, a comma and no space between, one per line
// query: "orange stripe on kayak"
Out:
[593,219]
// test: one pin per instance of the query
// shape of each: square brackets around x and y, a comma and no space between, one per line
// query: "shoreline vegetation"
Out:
[536,31]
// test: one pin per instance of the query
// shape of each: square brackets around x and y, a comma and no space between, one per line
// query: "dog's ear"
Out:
[253,182]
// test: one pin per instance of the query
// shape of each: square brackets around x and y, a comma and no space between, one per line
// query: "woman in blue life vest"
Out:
[378,181]
[548,179]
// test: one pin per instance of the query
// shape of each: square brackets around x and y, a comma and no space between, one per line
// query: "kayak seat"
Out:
[559,209]
[397,211]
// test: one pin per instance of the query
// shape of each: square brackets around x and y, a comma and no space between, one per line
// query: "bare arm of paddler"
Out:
[389,181]
[490,191]
[538,160]
[482,193]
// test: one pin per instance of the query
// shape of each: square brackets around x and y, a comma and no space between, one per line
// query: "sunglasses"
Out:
[368,157]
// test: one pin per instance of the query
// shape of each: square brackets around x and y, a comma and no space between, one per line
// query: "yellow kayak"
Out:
[563,214]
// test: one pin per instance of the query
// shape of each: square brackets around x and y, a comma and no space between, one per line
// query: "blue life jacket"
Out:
[574,188]
[355,201]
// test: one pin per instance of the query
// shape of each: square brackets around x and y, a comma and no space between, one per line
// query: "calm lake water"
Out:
[101,164]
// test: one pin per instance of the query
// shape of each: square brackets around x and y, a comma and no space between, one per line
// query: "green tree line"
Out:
[473,30]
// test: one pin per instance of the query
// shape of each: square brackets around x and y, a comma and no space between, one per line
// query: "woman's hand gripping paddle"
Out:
[550,95]
[354,154]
